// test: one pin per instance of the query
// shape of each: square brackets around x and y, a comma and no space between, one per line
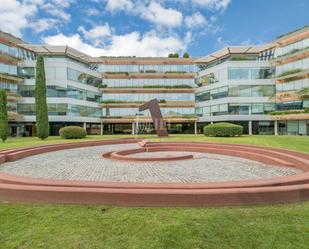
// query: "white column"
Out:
[101,128]
[276,127]
[85,125]
[133,128]
[195,128]
[250,128]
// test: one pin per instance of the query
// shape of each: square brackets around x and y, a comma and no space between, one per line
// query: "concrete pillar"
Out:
[195,128]
[276,127]
[85,125]
[211,122]
[101,128]
[250,128]
[133,128]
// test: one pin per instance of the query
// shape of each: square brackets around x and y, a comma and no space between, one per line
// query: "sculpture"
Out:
[156,115]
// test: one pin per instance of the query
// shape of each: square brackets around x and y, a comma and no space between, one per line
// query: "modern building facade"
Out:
[12,76]
[235,85]
[292,82]
[73,94]
[129,82]
[264,88]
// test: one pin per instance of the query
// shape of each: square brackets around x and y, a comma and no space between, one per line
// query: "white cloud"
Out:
[92,12]
[15,15]
[43,24]
[151,11]
[213,4]
[149,44]
[195,21]
[57,8]
[97,34]
[73,41]
[131,44]
[116,5]
[159,15]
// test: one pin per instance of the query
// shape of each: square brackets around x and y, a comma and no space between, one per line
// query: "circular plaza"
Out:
[87,164]
[134,173]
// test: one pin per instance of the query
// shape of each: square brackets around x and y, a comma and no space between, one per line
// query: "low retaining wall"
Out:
[277,190]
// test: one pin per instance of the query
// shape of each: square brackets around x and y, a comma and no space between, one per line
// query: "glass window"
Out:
[244,91]
[83,78]
[206,110]
[238,73]
[239,109]
[26,72]
[292,127]
[257,109]
[262,73]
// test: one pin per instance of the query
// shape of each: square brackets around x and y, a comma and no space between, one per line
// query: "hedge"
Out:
[223,130]
[72,132]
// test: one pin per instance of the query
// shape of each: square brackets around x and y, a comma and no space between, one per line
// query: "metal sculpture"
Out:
[156,115]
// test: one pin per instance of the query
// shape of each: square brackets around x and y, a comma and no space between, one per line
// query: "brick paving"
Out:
[88,164]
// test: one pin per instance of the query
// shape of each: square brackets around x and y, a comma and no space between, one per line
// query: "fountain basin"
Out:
[126,155]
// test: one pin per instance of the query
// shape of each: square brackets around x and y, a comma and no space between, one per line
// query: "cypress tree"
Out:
[41,111]
[3,116]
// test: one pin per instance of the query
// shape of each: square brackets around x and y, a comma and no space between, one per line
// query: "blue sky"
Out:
[151,27]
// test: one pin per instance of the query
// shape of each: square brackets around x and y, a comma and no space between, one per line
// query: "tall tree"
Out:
[41,111]
[186,55]
[3,116]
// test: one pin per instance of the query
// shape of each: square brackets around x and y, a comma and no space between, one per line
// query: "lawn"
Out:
[75,226]
[79,226]
[289,142]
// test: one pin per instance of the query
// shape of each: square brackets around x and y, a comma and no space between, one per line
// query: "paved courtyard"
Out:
[88,164]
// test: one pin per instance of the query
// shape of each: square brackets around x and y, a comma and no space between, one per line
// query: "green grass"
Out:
[289,142]
[13,143]
[81,226]
[74,226]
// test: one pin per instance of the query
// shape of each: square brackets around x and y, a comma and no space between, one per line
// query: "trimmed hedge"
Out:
[223,130]
[72,132]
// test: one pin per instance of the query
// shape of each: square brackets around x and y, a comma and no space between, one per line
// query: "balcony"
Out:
[291,115]
[13,97]
[294,74]
[151,75]
[136,104]
[293,55]
[131,119]
[8,59]
[150,89]
[286,96]
[14,117]
[10,78]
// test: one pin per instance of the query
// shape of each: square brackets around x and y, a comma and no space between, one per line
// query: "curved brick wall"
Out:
[276,190]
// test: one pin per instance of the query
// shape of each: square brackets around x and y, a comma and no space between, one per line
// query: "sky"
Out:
[151,27]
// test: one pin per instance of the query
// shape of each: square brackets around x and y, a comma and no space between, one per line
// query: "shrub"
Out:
[72,132]
[223,130]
